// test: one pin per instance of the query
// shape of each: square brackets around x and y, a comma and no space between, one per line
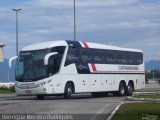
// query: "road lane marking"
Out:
[114,111]
[99,112]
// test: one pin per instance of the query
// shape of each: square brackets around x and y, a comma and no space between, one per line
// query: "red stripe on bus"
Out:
[101,71]
[120,71]
[85,44]
[94,68]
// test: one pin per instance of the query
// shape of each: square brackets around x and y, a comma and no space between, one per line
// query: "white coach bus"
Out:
[67,67]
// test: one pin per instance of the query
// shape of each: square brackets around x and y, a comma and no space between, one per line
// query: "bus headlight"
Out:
[41,84]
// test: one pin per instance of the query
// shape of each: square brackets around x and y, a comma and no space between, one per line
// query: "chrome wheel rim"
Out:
[69,91]
[122,90]
[129,89]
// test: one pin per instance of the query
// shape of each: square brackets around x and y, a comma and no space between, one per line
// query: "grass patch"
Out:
[148,96]
[5,90]
[138,111]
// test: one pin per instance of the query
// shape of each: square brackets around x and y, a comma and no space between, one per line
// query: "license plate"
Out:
[28,91]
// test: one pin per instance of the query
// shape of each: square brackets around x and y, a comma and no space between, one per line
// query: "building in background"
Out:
[1,52]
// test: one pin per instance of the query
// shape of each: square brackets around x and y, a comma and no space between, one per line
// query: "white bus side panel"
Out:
[55,84]
[107,80]
[140,82]
[96,84]
[81,82]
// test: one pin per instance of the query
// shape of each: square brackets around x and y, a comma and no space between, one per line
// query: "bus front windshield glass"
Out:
[30,66]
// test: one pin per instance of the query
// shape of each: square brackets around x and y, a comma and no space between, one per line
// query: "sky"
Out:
[123,23]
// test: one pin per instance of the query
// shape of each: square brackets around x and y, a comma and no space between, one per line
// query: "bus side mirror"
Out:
[46,58]
[11,59]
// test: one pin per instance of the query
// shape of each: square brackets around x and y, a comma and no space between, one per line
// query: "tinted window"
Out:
[122,57]
[131,58]
[99,56]
[139,58]
[55,60]
[30,66]
[72,56]
[110,57]
[85,55]
[59,49]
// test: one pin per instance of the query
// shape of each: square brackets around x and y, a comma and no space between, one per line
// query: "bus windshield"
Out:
[30,66]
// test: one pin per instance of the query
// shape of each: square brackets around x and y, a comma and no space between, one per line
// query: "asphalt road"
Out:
[80,107]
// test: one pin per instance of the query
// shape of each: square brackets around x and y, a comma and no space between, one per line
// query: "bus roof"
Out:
[50,44]
[45,45]
[110,47]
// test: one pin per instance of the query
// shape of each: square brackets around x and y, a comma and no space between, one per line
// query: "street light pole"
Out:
[16,10]
[74,20]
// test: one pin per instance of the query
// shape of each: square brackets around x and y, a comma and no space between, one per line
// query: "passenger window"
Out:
[99,56]
[122,57]
[110,57]
[139,58]
[72,56]
[85,55]
[131,58]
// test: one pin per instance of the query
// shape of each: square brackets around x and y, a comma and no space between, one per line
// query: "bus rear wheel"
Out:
[122,89]
[68,91]
[130,89]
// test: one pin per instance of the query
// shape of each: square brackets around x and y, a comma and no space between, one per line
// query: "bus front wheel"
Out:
[68,91]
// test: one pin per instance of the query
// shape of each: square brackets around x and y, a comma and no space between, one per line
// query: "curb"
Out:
[132,98]
[143,93]
[142,99]
[114,111]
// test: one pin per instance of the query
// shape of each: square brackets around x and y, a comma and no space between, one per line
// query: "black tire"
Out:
[122,89]
[68,91]
[40,97]
[130,89]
